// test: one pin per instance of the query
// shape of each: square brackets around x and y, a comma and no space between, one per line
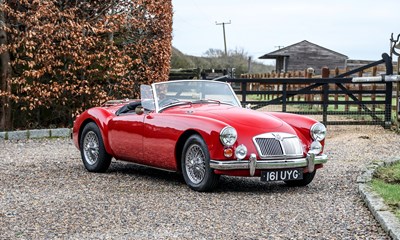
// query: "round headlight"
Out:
[228,136]
[318,131]
[241,152]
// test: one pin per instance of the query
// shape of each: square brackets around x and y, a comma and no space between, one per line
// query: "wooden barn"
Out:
[305,54]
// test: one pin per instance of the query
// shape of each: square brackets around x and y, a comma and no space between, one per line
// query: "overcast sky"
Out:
[358,29]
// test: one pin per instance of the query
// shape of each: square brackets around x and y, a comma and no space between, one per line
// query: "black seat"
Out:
[128,108]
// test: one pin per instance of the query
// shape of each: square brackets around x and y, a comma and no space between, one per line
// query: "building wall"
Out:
[304,55]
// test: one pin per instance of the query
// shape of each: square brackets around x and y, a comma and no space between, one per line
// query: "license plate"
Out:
[282,175]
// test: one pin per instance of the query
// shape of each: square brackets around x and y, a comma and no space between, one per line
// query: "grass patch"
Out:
[386,183]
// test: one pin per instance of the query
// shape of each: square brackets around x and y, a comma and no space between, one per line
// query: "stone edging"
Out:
[378,208]
[35,133]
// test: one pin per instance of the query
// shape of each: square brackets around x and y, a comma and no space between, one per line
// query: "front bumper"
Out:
[253,164]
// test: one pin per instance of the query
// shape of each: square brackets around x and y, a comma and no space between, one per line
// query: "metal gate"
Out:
[338,100]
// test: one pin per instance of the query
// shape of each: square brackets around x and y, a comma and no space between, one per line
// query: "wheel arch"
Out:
[180,144]
[102,132]
[83,125]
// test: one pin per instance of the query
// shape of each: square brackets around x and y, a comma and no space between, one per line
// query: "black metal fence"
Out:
[338,100]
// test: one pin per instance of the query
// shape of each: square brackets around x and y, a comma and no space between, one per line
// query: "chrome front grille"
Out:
[278,145]
[269,146]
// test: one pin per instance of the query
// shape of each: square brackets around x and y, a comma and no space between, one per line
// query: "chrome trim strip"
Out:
[266,164]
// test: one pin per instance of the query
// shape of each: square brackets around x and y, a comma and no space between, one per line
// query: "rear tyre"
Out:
[94,156]
[307,178]
[195,164]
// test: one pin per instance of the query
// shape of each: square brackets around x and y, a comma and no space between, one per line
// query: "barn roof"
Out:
[285,52]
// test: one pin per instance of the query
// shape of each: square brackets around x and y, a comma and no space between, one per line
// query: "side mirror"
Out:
[139,110]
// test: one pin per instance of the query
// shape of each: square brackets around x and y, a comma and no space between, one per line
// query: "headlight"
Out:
[318,131]
[228,136]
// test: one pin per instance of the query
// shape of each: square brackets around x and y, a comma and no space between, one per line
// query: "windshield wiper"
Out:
[207,101]
[174,103]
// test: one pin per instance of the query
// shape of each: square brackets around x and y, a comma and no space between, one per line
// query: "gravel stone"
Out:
[46,193]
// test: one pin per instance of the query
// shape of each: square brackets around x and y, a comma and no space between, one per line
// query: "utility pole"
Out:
[223,29]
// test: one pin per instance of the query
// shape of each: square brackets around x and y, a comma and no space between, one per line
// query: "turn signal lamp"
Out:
[228,152]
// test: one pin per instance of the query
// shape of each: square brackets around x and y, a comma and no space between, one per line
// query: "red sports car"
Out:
[199,128]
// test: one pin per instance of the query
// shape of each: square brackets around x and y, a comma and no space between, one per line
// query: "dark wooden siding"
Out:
[303,56]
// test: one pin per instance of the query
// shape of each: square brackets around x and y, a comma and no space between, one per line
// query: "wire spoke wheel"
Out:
[93,153]
[195,163]
[91,148]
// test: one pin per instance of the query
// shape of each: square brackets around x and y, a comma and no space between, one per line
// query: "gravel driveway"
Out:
[45,193]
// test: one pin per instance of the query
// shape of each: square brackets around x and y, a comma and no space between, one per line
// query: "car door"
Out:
[159,141]
[126,136]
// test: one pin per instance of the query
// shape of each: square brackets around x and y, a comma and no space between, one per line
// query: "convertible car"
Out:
[200,129]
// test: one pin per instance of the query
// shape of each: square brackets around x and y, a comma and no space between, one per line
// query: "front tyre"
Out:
[195,164]
[94,156]
[307,179]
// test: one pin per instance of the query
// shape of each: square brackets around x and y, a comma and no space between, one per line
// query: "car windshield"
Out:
[193,91]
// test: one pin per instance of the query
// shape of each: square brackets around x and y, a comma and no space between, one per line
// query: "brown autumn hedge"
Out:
[64,56]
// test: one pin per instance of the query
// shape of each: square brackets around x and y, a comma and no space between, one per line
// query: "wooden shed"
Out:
[305,54]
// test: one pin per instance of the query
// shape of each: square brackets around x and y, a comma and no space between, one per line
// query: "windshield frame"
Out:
[234,99]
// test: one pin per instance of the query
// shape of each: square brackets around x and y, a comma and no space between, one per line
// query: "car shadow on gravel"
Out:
[254,185]
[145,172]
[226,184]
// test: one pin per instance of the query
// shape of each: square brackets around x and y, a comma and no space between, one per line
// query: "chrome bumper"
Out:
[253,164]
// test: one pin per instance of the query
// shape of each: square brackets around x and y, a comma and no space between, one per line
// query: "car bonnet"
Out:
[231,115]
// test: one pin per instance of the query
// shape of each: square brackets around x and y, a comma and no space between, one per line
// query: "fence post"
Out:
[336,88]
[309,74]
[373,95]
[360,87]
[388,105]
[325,96]
[284,95]
[346,97]
[244,93]
[298,74]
